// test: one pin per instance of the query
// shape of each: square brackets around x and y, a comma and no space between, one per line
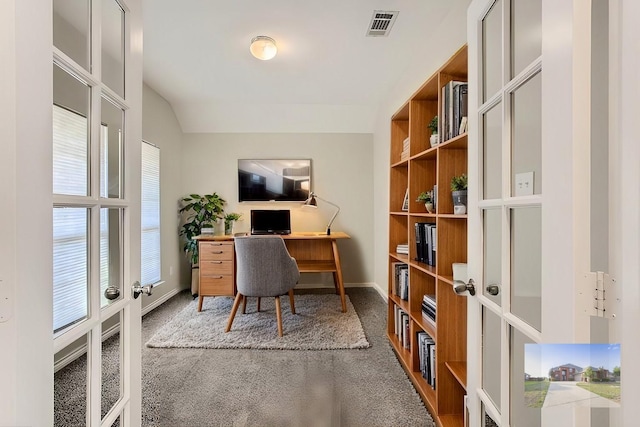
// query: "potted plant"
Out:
[229,220]
[426,197]
[433,127]
[459,193]
[200,212]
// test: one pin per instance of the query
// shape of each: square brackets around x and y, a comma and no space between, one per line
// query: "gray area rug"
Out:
[319,324]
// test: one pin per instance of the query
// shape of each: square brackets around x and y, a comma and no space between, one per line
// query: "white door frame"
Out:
[26,392]
[624,194]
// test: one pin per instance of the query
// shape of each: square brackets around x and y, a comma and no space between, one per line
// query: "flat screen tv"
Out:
[263,180]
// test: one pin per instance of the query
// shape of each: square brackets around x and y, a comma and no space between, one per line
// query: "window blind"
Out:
[150,221]
[70,225]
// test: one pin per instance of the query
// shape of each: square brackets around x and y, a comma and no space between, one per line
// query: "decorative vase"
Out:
[433,139]
[228,228]
[429,207]
[459,201]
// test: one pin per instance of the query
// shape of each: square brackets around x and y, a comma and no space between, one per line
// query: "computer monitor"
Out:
[270,221]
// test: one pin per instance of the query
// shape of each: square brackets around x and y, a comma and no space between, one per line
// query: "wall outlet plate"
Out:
[524,184]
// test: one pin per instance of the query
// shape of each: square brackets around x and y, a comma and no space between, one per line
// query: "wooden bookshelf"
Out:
[423,167]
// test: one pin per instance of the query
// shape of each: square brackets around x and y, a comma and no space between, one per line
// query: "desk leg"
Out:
[336,258]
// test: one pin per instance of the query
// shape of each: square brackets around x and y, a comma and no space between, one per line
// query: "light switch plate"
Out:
[524,184]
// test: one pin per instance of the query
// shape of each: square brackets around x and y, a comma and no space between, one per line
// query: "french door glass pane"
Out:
[491,355]
[150,221]
[71,29]
[526,33]
[70,266]
[111,364]
[110,252]
[70,134]
[526,144]
[492,238]
[111,146]
[113,46]
[492,51]
[70,386]
[526,262]
[526,398]
[487,421]
[492,153]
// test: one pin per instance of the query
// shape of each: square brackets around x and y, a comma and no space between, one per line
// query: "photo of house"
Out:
[567,372]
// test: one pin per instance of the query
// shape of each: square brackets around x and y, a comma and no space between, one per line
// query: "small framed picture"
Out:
[405,202]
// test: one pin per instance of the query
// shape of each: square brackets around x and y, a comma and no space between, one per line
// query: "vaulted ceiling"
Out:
[328,76]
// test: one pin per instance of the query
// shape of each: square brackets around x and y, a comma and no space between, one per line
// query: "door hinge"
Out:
[598,295]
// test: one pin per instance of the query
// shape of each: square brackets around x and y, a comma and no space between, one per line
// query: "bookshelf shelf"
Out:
[430,281]
[459,371]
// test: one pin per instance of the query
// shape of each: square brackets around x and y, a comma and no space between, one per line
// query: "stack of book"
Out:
[453,120]
[401,280]
[426,242]
[404,155]
[402,248]
[429,307]
[402,327]
[427,354]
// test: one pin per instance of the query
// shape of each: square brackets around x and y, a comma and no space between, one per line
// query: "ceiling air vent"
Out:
[381,23]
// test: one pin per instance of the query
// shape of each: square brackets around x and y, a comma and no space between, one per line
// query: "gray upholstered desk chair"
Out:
[264,269]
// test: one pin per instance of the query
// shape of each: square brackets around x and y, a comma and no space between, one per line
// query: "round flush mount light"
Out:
[263,47]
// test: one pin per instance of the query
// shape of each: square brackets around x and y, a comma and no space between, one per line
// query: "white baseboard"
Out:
[382,292]
[108,333]
[157,303]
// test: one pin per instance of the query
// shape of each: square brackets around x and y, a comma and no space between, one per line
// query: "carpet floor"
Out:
[193,387]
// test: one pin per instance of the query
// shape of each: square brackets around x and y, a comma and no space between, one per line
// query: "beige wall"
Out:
[428,58]
[341,172]
[160,128]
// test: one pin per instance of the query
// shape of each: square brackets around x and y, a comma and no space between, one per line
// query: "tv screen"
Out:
[261,180]
[270,221]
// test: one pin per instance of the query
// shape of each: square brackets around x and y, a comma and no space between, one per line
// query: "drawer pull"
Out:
[217,252]
[218,277]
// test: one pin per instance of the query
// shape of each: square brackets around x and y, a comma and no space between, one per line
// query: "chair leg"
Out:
[279,316]
[236,304]
[291,303]
[258,304]
[200,298]
[244,304]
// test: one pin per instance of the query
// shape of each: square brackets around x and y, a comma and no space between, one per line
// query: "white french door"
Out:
[97,88]
[529,229]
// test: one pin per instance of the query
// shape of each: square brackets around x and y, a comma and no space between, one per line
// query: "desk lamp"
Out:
[311,202]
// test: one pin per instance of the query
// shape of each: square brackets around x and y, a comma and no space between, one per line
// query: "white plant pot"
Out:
[433,139]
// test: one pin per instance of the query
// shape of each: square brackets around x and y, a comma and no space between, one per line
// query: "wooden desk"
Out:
[315,252]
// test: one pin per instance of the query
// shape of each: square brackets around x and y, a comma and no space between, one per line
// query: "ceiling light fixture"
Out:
[263,47]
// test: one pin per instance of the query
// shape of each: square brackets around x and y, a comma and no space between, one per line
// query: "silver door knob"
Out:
[493,290]
[111,293]
[137,289]
[460,287]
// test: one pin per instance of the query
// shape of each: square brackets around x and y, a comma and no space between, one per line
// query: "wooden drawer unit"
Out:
[217,270]
[215,251]
[215,285]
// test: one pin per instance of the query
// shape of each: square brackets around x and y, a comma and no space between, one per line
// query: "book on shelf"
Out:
[426,356]
[428,306]
[401,280]
[402,248]
[454,107]
[425,243]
